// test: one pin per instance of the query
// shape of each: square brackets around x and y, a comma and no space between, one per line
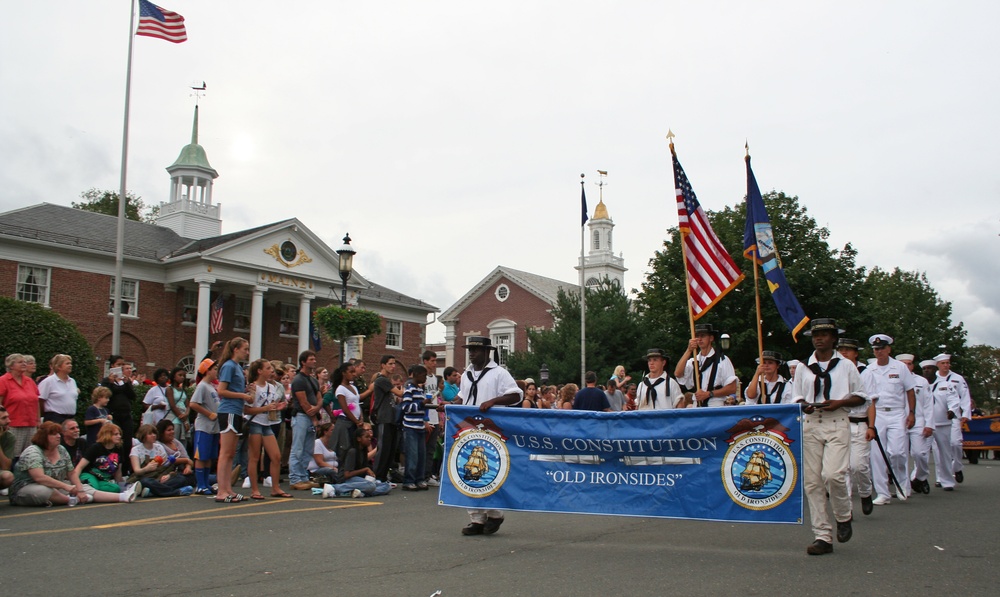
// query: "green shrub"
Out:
[29,328]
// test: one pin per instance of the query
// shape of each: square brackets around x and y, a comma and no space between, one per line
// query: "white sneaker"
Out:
[267,482]
[357,493]
[246,483]
[73,501]
[881,500]
[432,482]
[328,491]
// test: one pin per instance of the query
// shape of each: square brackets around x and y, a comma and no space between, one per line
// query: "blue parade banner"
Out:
[735,464]
[981,433]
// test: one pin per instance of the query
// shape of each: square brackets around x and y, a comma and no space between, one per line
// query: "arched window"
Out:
[597,239]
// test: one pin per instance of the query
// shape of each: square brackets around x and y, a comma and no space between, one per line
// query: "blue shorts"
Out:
[230,423]
[206,445]
[258,429]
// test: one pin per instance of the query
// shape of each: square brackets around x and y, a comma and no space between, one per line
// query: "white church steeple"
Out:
[601,262]
[190,211]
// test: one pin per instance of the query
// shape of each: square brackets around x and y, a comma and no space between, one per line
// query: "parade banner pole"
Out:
[687,286]
[756,294]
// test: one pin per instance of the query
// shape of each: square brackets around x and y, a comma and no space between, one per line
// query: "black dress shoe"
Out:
[844,531]
[949,489]
[927,486]
[492,525]
[819,547]
[866,505]
[473,528]
[959,477]
[937,485]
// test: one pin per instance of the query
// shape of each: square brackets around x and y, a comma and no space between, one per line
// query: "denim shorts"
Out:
[258,429]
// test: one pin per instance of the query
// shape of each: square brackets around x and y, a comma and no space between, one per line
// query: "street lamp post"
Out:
[346,253]
[724,341]
[543,374]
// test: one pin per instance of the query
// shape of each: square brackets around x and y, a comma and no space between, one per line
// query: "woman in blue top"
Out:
[233,396]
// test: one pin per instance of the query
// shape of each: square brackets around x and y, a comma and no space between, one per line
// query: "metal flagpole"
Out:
[756,294]
[120,245]
[687,284]
[583,303]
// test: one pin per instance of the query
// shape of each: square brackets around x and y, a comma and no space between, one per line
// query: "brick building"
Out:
[270,279]
[508,302]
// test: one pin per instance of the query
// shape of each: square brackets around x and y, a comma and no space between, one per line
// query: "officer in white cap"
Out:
[946,375]
[891,386]
[947,408]
[923,428]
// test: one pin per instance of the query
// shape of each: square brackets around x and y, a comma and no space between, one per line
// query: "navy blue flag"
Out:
[981,433]
[314,333]
[583,204]
[758,245]
[735,464]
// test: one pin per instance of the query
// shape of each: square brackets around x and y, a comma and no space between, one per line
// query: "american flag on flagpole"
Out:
[711,271]
[160,23]
[215,325]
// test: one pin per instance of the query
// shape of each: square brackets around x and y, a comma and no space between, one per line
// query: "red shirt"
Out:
[20,400]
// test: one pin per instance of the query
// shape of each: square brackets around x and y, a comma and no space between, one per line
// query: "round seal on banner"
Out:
[759,471]
[478,463]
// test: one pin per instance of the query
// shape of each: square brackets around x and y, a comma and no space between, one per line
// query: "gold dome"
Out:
[601,212]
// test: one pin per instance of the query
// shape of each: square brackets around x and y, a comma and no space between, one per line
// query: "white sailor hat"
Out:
[927,363]
[942,357]
[879,340]
[905,357]
[793,363]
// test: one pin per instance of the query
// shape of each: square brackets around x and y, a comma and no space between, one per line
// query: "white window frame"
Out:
[128,300]
[238,313]
[503,335]
[39,291]
[393,339]
[502,292]
[288,314]
[190,300]
[597,240]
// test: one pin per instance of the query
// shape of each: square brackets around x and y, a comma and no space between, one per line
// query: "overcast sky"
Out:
[448,137]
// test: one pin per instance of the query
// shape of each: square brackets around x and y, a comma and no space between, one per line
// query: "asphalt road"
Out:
[405,544]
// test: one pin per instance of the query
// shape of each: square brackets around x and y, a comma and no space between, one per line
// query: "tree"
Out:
[905,306]
[981,368]
[613,333]
[29,328]
[821,278]
[106,202]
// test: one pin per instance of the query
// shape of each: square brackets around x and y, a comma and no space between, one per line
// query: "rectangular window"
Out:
[241,315]
[502,342]
[130,298]
[289,325]
[189,315]
[393,334]
[33,284]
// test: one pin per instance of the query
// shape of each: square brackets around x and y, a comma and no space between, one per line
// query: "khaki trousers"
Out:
[826,450]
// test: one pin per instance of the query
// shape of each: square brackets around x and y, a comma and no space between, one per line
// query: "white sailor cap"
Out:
[880,340]
[905,357]
[942,357]
[927,363]
[793,363]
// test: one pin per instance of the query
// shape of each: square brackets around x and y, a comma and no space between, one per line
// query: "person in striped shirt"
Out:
[415,426]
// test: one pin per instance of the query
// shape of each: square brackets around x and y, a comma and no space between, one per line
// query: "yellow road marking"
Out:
[192,517]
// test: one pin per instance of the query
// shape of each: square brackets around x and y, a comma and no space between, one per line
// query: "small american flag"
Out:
[160,23]
[215,325]
[710,270]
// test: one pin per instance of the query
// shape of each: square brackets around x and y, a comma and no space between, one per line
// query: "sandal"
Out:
[281,495]
[230,499]
[256,496]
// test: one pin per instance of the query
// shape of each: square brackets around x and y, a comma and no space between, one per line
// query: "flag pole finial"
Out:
[670,139]
[746,145]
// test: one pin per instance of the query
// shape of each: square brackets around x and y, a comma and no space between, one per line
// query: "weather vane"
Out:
[199,90]
[601,183]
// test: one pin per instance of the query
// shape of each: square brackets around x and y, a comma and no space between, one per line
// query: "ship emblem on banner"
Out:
[759,470]
[479,462]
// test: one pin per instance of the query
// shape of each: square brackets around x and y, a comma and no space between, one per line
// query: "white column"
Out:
[256,321]
[304,315]
[449,344]
[204,314]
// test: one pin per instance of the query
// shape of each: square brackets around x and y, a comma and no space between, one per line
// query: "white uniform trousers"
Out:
[860,474]
[826,453]
[956,442]
[920,452]
[891,427]
[944,455]
[480,516]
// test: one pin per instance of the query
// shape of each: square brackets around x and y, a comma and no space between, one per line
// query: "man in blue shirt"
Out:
[591,397]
